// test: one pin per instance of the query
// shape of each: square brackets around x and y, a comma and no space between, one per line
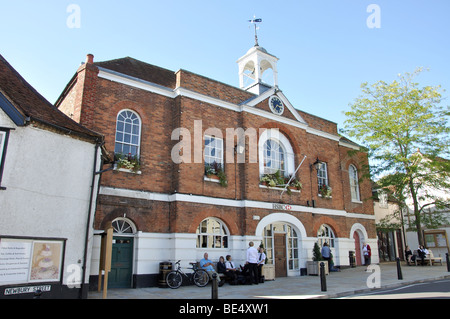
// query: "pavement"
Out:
[347,282]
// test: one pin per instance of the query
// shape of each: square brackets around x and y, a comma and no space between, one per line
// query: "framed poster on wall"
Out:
[46,261]
[24,260]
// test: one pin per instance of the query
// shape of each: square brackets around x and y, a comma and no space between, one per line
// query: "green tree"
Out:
[393,121]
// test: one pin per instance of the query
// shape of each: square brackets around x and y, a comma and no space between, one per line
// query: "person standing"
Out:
[367,252]
[326,254]
[261,262]
[252,262]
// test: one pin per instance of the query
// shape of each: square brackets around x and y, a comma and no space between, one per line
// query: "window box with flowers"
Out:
[325,191]
[127,162]
[277,180]
[214,172]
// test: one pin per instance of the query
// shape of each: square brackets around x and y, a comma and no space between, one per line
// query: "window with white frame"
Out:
[212,233]
[213,150]
[382,198]
[354,184]
[322,175]
[128,133]
[275,153]
[274,157]
[325,235]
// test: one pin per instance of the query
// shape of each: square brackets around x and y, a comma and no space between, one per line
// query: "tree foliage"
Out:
[394,121]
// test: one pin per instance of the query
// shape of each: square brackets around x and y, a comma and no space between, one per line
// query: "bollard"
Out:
[214,287]
[399,270]
[323,280]
[448,262]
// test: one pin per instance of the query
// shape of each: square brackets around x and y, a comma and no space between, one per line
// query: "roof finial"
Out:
[255,21]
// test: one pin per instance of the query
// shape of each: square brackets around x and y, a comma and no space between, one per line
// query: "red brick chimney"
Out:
[90,59]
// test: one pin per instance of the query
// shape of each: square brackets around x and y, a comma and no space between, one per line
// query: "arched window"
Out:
[354,184]
[275,153]
[325,235]
[128,133]
[212,233]
[123,225]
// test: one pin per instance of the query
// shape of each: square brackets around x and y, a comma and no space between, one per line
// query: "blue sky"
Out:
[325,47]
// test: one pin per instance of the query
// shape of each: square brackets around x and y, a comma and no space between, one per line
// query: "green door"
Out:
[121,263]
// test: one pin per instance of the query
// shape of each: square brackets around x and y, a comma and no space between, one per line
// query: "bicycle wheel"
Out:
[201,278]
[174,279]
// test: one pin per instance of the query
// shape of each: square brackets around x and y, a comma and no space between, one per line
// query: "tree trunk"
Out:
[416,214]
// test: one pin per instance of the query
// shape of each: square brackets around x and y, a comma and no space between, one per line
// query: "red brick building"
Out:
[195,185]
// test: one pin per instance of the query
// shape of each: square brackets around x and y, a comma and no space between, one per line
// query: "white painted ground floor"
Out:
[137,255]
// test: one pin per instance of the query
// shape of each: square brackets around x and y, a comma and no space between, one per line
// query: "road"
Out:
[438,289]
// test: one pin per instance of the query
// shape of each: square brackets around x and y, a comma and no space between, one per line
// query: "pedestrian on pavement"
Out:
[261,262]
[367,252]
[326,254]
[252,262]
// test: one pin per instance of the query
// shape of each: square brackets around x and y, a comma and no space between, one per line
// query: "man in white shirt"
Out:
[231,271]
[252,262]
[261,262]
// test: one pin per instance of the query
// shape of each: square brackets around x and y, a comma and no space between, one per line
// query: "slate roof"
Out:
[28,103]
[141,70]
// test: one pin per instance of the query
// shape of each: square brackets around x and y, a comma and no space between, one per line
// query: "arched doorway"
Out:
[281,234]
[359,235]
[122,253]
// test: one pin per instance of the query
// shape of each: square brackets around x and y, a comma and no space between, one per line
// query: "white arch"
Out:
[281,217]
[362,230]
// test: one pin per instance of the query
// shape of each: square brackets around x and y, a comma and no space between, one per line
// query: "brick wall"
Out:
[95,102]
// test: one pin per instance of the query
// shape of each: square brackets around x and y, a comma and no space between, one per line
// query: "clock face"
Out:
[276,105]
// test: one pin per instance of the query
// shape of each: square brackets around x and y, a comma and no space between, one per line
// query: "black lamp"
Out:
[317,164]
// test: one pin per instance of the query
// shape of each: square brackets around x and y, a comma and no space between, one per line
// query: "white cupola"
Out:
[258,70]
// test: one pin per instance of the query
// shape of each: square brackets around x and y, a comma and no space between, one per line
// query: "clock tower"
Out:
[258,70]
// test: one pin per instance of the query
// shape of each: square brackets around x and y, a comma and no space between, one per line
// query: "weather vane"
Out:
[255,21]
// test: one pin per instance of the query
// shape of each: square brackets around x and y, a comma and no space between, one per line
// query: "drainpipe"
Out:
[90,213]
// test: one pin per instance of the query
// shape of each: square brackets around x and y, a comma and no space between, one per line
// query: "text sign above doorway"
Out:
[281,206]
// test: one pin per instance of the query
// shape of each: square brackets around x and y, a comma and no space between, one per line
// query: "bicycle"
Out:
[174,279]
